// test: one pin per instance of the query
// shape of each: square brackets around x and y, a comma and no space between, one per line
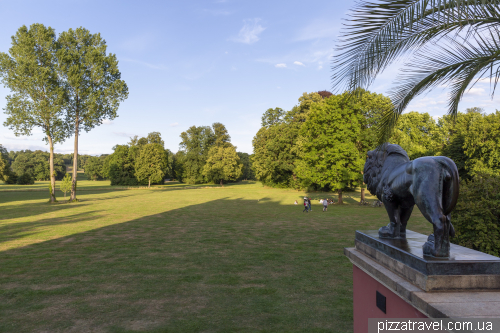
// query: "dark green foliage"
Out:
[329,154]
[275,154]
[429,35]
[155,137]
[418,134]
[272,117]
[247,170]
[94,168]
[12,179]
[476,217]
[36,164]
[4,164]
[38,98]
[196,142]
[293,151]
[25,179]
[121,167]
[223,165]
[473,142]
[178,166]
[151,164]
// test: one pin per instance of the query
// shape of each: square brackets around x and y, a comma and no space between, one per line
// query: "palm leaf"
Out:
[459,63]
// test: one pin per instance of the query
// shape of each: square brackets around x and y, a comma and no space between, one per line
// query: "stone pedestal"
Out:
[392,279]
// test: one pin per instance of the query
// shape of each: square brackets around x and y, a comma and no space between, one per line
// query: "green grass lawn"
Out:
[242,258]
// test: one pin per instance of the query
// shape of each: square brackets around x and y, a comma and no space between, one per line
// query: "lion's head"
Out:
[375,161]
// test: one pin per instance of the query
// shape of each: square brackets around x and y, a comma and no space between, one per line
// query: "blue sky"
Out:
[199,62]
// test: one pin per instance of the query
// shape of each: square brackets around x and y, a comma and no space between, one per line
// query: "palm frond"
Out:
[457,62]
[378,32]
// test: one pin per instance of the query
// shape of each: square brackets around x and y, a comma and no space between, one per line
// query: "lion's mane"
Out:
[372,173]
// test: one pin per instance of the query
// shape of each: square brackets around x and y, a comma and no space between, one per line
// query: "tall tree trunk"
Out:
[149,182]
[222,185]
[52,174]
[363,194]
[340,197]
[75,160]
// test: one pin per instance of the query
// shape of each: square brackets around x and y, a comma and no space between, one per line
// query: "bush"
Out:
[476,217]
[25,179]
[11,179]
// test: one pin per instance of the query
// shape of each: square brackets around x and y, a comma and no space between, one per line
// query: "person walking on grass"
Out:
[305,206]
[325,205]
[309,204]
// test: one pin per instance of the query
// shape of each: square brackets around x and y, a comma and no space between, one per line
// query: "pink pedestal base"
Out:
[364,298]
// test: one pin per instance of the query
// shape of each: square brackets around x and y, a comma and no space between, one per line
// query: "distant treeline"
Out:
[321,144]
[27,166]
[205,155]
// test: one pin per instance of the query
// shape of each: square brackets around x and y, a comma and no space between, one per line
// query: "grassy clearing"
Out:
[241,258]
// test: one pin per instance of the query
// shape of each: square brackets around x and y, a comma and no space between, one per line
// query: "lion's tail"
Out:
[450,184]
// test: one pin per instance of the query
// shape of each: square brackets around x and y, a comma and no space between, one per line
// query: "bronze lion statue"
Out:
[430,182]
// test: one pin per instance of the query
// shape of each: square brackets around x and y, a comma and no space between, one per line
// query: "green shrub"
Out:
[25,179]
[476,217]
[11,179]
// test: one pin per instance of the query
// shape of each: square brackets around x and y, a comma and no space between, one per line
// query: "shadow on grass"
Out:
[224,265]
[15,231]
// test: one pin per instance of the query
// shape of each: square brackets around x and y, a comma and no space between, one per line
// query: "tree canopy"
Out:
[223,164]
[151,164]
[92,83]
[37,99]
[451,43]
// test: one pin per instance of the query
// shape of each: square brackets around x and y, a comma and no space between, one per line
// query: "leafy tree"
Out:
[151,164]
[222,138]
[328,144]
[92,83]
[169,171]
[223,164]
[25,179]
[65,185]
[273,117]
[418,134]
[121,167]
[473,142]
[476,217]
[94,168]
[37,100]
[450,42]
[155,137]
[247,170]
[3,166]
[275,151]
[36,164]
[299,112]
[275,154]
[178,165]
[5,171]
[196,143]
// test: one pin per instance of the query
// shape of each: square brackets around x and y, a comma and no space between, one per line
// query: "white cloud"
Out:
[174,124]
[312,55]
[280,65]
[298,63]
[107,122]
[249,34]
[475,91]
